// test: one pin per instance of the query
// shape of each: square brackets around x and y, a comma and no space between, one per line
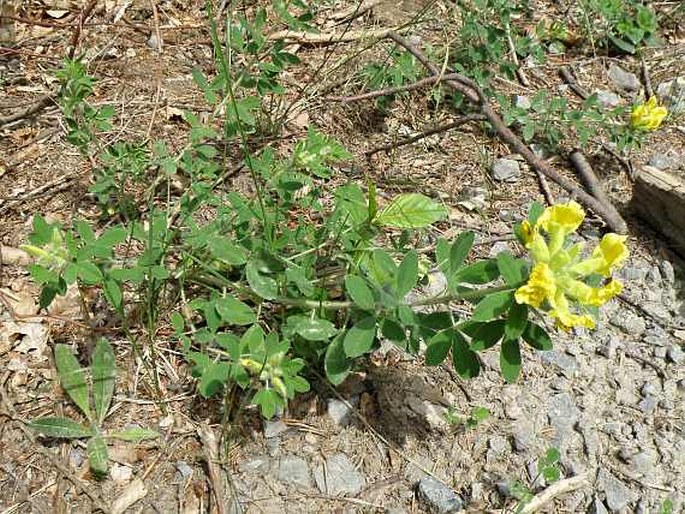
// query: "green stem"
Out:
[435,300]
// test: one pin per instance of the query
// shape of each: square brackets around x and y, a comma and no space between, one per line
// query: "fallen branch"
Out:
[309,38]
[426,133]
[558,488]
[226,503]
[430,81]
[475,94]
[590,179]
[32,109]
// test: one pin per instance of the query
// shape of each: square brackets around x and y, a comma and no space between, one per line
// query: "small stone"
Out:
[607,99]
[563,415]
[672,93]
[665,161]
[630,323]
[618,495]
[76,457]
[650,389]
[524,434]
[565,363]
[294,470]
[506,170]
[184,470]
[340,412]
[633,273]
[260,464]
[498,444]
[415,472]
[675,354]
[609,348]
[439,498]
[120,473]
[339,476]
[660,352]
[523,102]
[654,275]
[643,462]
[497,248]
[624,79]
[274,428]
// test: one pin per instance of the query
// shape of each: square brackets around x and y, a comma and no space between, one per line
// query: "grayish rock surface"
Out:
[618,495]
[294,470]
[672,93]
[631,324]
[563,415]
[675,354]
[340,476]
[339,412]
[438,498]
[623,79]
[665,161]
[506,170]
[607,99]
[274,428]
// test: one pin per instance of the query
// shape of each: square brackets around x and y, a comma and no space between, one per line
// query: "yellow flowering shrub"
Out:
[648,116]
[559,279]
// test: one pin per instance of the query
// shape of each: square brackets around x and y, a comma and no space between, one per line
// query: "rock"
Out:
[565,363]
[654,275]
[624,79]
[563,415]
[607,99]
[672,93]
[260,464]
[667,271]
[643,462]
[524,434]
[499,247]
[340,412]
[184,471]
[294,470]
[608,349]
[665,161]
[274,428]
[438,498]
[120,474]
[523,102]
[660,352]
[648,404]
[633,273]
[507,170]
[76,457]
[618,495]
[413,473]
[339,476]
[675,354]
[629,323]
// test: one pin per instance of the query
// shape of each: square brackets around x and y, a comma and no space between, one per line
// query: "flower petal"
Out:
[540,286]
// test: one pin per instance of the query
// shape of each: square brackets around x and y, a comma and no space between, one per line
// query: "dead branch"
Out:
[565,73]
[589,178]
[226,503]
[325,38]
[36,107]
[430,81]
[474,94]
[426,133]
[558,488]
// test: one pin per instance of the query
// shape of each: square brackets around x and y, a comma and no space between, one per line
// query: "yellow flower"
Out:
[557,279]
[648,116]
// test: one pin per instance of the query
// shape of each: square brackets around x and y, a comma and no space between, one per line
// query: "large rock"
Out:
[659,198]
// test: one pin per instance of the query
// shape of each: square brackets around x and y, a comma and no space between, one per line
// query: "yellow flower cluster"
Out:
[648,116]
[556,279]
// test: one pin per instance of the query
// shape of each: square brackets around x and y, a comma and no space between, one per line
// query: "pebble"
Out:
[565,363]
[563,415]
[618,495]
[624,79]
[630,323]
[339,476]
[598,507]
[439,498]
[120,473]
[633,273]
[607,99]
[608,349]
[294,470]
[499,247]
[660,352]
[507,170]
[665,161]
[676,354]
[274,428]
[524,434]
[672,93]
[340,412]
[184,471]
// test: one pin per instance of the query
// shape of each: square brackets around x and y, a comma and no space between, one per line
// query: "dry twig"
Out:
[474,94]
[590,179]
[558,488]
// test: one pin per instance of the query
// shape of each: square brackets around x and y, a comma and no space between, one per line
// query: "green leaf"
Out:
[411,210]
[60,427]
[214,377]
[492,306]
[135,434]
[252,339]
[359,292]
[459,250]
[407,273]
[88,272]
[517,319]
[268,400]
[392,330]
[487,335]
[537,337]
[97,455]
[235,312]
[113,236]
[464,359]
[535,211]
[103,370]
[480,272]
[264,286]
[113,293]
[336,363]
[72,378]
[438,348]
[359,339]
[316,329]
[511,269]
[225,250]
[510,360]
[622,44]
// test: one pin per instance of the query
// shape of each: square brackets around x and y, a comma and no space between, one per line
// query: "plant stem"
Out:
[435,300]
